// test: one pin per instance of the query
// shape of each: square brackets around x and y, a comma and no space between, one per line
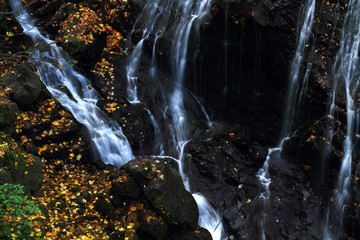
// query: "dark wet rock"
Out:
[33,179]
[61,14]
[24,83]
[163,188]
[105,207]
[223,168]
[228,158]
[125,17]
[135,124]
[8,111]
[294,205]
[19,167]
[152,224]
[125,188]
[83,42]
[313,149]
[48,10]
[30,176]
[185,233]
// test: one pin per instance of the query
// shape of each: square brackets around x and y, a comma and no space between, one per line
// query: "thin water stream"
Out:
[296,89]
[346,77]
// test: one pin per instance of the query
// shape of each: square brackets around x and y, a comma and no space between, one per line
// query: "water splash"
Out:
[208,217]
[109,143]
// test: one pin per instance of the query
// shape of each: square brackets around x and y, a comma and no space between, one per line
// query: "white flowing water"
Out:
[109,143]
[154,11]
[210,123]
[189,13]
[296,83]
[297,88]
[159,145]
[347,76]
[265,180]
[154,20]
[207,215]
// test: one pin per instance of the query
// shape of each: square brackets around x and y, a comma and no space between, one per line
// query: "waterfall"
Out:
[190,13]
[296,84]
[346,77]
[154,21]
[108,141]
[297,88]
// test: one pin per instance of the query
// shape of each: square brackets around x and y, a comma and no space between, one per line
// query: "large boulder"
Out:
[24,82]
[164,189]
[83,35]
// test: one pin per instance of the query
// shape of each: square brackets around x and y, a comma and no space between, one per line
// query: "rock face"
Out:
[239,65]
[223,168]
[244,59]
[24,83]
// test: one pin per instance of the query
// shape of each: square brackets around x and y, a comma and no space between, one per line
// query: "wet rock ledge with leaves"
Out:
[52,187]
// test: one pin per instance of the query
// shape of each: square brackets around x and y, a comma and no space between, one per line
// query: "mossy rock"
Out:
[19,167]
[165,191]
[75,48]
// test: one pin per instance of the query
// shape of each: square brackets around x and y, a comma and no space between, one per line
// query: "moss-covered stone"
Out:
[164,189]
[19,167]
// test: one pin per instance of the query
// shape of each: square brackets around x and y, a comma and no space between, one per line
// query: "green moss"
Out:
[74,48]
[12,157]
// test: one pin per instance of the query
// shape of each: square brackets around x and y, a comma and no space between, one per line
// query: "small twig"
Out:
[16,10]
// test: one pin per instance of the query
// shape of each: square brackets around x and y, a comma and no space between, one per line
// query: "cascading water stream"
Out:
[153,11]
[346,75]
[187,16]
[109,143]
[190,14]
[297,87]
